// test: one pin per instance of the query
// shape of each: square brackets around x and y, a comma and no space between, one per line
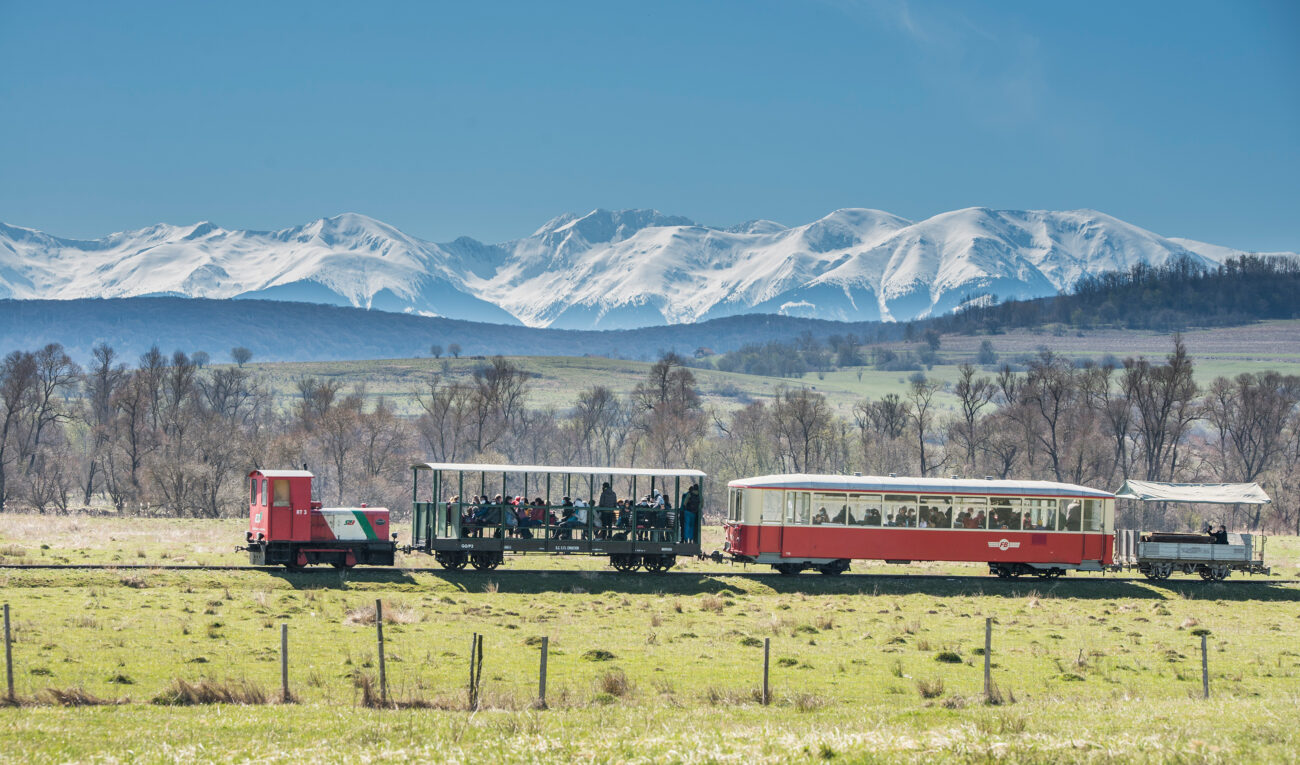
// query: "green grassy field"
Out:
[1217,352]
[642,667]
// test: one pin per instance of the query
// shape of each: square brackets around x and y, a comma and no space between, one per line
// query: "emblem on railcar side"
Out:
[1004,544]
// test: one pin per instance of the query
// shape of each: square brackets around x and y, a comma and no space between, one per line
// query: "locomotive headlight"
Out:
[260,536]
[248,536]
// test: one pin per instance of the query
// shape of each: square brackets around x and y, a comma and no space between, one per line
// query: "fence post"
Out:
[767,653]
[475,669]
[284,662]
[379,631]
[541,681]
[988,650]
[1205,669]
[9,657]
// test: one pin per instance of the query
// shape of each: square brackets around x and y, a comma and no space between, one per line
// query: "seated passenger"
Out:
[821,517]
[840,516]
[1221,536]
[873,517]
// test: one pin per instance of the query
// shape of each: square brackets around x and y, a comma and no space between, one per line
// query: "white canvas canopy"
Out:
[1204,493]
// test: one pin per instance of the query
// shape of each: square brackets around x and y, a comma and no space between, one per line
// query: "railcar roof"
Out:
[915,485]
[470,467]
[281,473]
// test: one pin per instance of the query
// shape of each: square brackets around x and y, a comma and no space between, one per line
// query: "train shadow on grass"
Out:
[535,582]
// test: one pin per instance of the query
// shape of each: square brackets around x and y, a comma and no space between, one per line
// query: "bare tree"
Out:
[18,379]
[436,350]
[454,349]
[920,393]
[801,422]
[241,355]
[973,393]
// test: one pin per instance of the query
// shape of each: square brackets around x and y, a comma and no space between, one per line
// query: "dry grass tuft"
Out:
[491,588]
[712,603]
[134,581]
[74,697]
[930,689]
[184,694]
[393,614]
[615,683]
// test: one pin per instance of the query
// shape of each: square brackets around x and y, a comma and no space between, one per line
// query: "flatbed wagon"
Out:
[1157,555]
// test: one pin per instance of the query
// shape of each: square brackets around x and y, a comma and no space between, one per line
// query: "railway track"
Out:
[533,572]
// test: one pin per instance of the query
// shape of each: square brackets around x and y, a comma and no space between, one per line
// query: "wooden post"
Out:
[379,630]
[475,669]
[1205,669]
[541,681]
[767,654]
[9,657]
[284,662]
[988,651]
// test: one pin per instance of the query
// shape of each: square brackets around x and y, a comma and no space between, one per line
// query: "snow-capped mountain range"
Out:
[606,269]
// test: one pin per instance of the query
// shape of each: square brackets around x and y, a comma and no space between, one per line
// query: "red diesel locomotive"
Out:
[794,522]
[287,527]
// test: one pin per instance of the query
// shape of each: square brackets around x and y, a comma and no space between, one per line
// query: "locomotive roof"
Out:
[281,473]
[915,485]
[470,467]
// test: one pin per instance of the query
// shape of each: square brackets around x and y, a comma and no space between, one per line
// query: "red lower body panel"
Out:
[979,546]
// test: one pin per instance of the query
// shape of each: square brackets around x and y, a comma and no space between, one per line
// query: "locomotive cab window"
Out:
[734,505]
[252,498]
[281,488]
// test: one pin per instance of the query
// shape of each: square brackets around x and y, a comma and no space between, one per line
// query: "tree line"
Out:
[167,435]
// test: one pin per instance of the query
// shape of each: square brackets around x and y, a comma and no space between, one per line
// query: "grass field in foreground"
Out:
[652,668]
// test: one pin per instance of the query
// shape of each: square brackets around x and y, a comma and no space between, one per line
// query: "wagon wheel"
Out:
[653,563]
[1206,573]
[1051,573]
[624,562]
[1160,571]
[834,568]
[788,569]
[453,561]
[484,561]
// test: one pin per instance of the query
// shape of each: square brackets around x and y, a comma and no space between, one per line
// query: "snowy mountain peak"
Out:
[608,268]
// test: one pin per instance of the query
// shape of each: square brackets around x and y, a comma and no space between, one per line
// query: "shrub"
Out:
[598,654]
[614,683]
[182,693]
[948,657]
[751,642]
[930,689]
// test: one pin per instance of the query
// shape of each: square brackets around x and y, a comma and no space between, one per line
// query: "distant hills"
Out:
[602,270]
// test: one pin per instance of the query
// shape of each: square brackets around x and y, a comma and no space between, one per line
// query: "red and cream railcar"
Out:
[794,522]
[287,527]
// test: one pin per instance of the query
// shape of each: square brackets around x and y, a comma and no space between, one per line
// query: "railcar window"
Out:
[830,508]
[733,505]
[1040,514]
[864,509]
[1092,516]
[772,503]
[263,494]
[797,508]
[1005,513]
[973,513]
[900,510]
[1073,515]
[936,513]
[252,499]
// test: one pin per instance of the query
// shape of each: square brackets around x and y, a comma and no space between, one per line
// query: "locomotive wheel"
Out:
[789,569]
[485,561]
[1051,573]
[1005,572]
[653,564]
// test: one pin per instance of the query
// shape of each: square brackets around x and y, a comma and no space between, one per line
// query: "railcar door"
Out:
[770,529]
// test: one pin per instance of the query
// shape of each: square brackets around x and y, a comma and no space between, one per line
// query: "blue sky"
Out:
[486,119]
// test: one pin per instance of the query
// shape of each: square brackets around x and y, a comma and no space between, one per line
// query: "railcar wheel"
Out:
[485,561]
[1051,573]
[788,569]
[625,563]
[1158,571]
[834,568]
[452,561]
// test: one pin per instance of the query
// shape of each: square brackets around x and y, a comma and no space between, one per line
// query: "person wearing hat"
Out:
[690,512]
[607,502]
